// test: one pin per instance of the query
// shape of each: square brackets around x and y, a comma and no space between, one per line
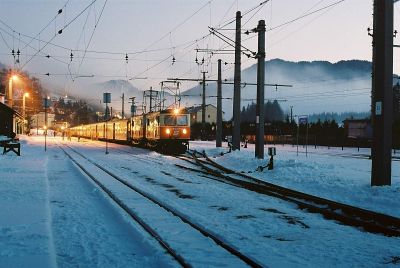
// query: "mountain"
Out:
[116,88]
[317,86]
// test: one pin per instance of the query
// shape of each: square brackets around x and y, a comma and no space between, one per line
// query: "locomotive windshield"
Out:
[181,120]
[175,120]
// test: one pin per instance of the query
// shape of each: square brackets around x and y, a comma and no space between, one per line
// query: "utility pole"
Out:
[259,151]
[291,114]
[382,93]
[236,87]
[133,107]
[151,99]
[123,101]
[203,109]
[218,139]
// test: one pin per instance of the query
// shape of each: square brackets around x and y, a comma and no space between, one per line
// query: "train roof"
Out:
[169,111]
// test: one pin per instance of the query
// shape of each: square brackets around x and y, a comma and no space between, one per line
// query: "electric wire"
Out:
[59,32]
[47,25]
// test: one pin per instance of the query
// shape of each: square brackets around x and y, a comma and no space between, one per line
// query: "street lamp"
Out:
[26,94]
[10,89]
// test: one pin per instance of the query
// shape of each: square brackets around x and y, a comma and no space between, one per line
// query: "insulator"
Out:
[59,11]
[18,52]
[71,56]
[126,58]
[196,60]
[173,60]
[13,52]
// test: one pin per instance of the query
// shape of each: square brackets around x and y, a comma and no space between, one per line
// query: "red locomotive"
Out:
[167,130]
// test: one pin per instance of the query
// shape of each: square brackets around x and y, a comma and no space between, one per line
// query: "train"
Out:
[167,131]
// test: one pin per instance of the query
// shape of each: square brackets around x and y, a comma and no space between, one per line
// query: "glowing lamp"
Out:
[176,111]
[168,131]
[184,131]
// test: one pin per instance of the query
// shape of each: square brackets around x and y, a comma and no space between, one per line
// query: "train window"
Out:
[178,120]
[181,120]
[169,120]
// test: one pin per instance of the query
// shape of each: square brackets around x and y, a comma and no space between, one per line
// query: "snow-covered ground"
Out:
[52,215]
[333,173]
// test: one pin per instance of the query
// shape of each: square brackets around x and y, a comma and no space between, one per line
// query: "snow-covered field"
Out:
[52,215]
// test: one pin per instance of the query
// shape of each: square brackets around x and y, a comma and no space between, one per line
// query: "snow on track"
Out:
[269,230]
[88,230]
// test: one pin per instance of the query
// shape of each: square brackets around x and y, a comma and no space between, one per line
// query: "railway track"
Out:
[349,215]
[110,182]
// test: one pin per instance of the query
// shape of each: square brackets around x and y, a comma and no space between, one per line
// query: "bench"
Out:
[11,146]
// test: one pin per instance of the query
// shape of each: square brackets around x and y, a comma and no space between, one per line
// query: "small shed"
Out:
[9,119]
[358,128]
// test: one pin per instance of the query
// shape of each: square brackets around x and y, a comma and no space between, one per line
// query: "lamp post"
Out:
[106,100]
[10,89]
[26,94]
[46,104]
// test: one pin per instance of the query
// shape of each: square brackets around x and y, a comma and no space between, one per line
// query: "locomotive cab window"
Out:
[175,120]
[181,120]
[169,120]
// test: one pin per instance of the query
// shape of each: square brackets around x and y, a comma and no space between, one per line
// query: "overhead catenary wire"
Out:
[59,32]
[304,15]
[91,36]
[47,25]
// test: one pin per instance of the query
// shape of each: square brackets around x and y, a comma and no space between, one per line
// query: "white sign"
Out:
[378,108]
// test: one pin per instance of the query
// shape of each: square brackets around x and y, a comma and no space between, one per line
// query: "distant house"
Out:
[39,120]
[358,128]
[10,121]
[196,114]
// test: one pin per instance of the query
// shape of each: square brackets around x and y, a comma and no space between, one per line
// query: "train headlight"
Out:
[184,131]
[176,111]
[168,131]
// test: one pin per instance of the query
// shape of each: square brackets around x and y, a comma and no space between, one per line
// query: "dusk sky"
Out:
[172,28]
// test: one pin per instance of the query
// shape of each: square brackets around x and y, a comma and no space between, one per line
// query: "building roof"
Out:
[8,109]
[195,109]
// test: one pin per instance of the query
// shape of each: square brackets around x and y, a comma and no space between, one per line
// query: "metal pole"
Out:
[259,151]
[291,114]
[106,129]
[306,138]
[151,99]
[123,110]
[23,113]
[218,140]
[382,93]
[236,87]
[203,109]
[45,119]
[10,92]
[298,125]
